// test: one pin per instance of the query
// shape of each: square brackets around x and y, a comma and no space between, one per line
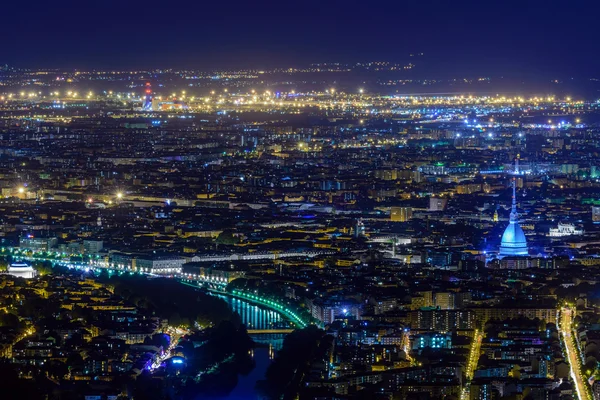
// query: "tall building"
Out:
[401,214]
[434,340]
[596,213]
[513,242]
[437,204]
[93,246]
[148,98]
[327,311]
[444,300]
[37,244]
[441,320]
[359,228]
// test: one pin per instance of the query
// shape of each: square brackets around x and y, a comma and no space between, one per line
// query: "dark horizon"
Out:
[469,37]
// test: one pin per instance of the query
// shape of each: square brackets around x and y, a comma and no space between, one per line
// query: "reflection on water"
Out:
[273,340]
[246,384]
[245,388]
[253,316]
[267,345]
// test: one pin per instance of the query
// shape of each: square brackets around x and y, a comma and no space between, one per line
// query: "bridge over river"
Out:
[258,319]
[261,316]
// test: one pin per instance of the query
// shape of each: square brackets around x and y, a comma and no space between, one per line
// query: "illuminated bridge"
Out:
[258,313]
[257,319]
[280,308]
[269,331]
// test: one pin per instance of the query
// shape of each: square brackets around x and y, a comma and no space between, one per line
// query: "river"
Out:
[255,317]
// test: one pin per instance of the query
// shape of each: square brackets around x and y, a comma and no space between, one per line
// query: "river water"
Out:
[268,344]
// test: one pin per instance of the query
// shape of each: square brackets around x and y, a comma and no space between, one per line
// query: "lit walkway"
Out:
[268,331]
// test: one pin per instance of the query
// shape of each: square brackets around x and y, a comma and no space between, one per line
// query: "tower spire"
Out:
[514,242]
[147,106]
[513,211]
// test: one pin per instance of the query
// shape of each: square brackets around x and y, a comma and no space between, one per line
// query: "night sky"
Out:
[464,36]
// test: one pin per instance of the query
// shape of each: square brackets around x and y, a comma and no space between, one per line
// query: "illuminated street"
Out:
[472,363]
[174,335]
[566,329]
[474,355]
[406,348]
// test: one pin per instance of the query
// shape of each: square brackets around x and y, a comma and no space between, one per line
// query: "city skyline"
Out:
[298,201]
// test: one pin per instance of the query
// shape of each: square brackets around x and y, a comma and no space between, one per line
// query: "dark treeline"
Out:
[224,354]
[167,298]
[300,348]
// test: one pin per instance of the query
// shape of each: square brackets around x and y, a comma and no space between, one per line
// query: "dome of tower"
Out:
[513,242]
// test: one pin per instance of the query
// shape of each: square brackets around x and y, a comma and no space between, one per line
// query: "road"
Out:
[472,363]
[566,329]
[474,355]
[175,334]
[406,347]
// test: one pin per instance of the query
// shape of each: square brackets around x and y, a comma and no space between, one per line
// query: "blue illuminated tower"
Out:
[513,242]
